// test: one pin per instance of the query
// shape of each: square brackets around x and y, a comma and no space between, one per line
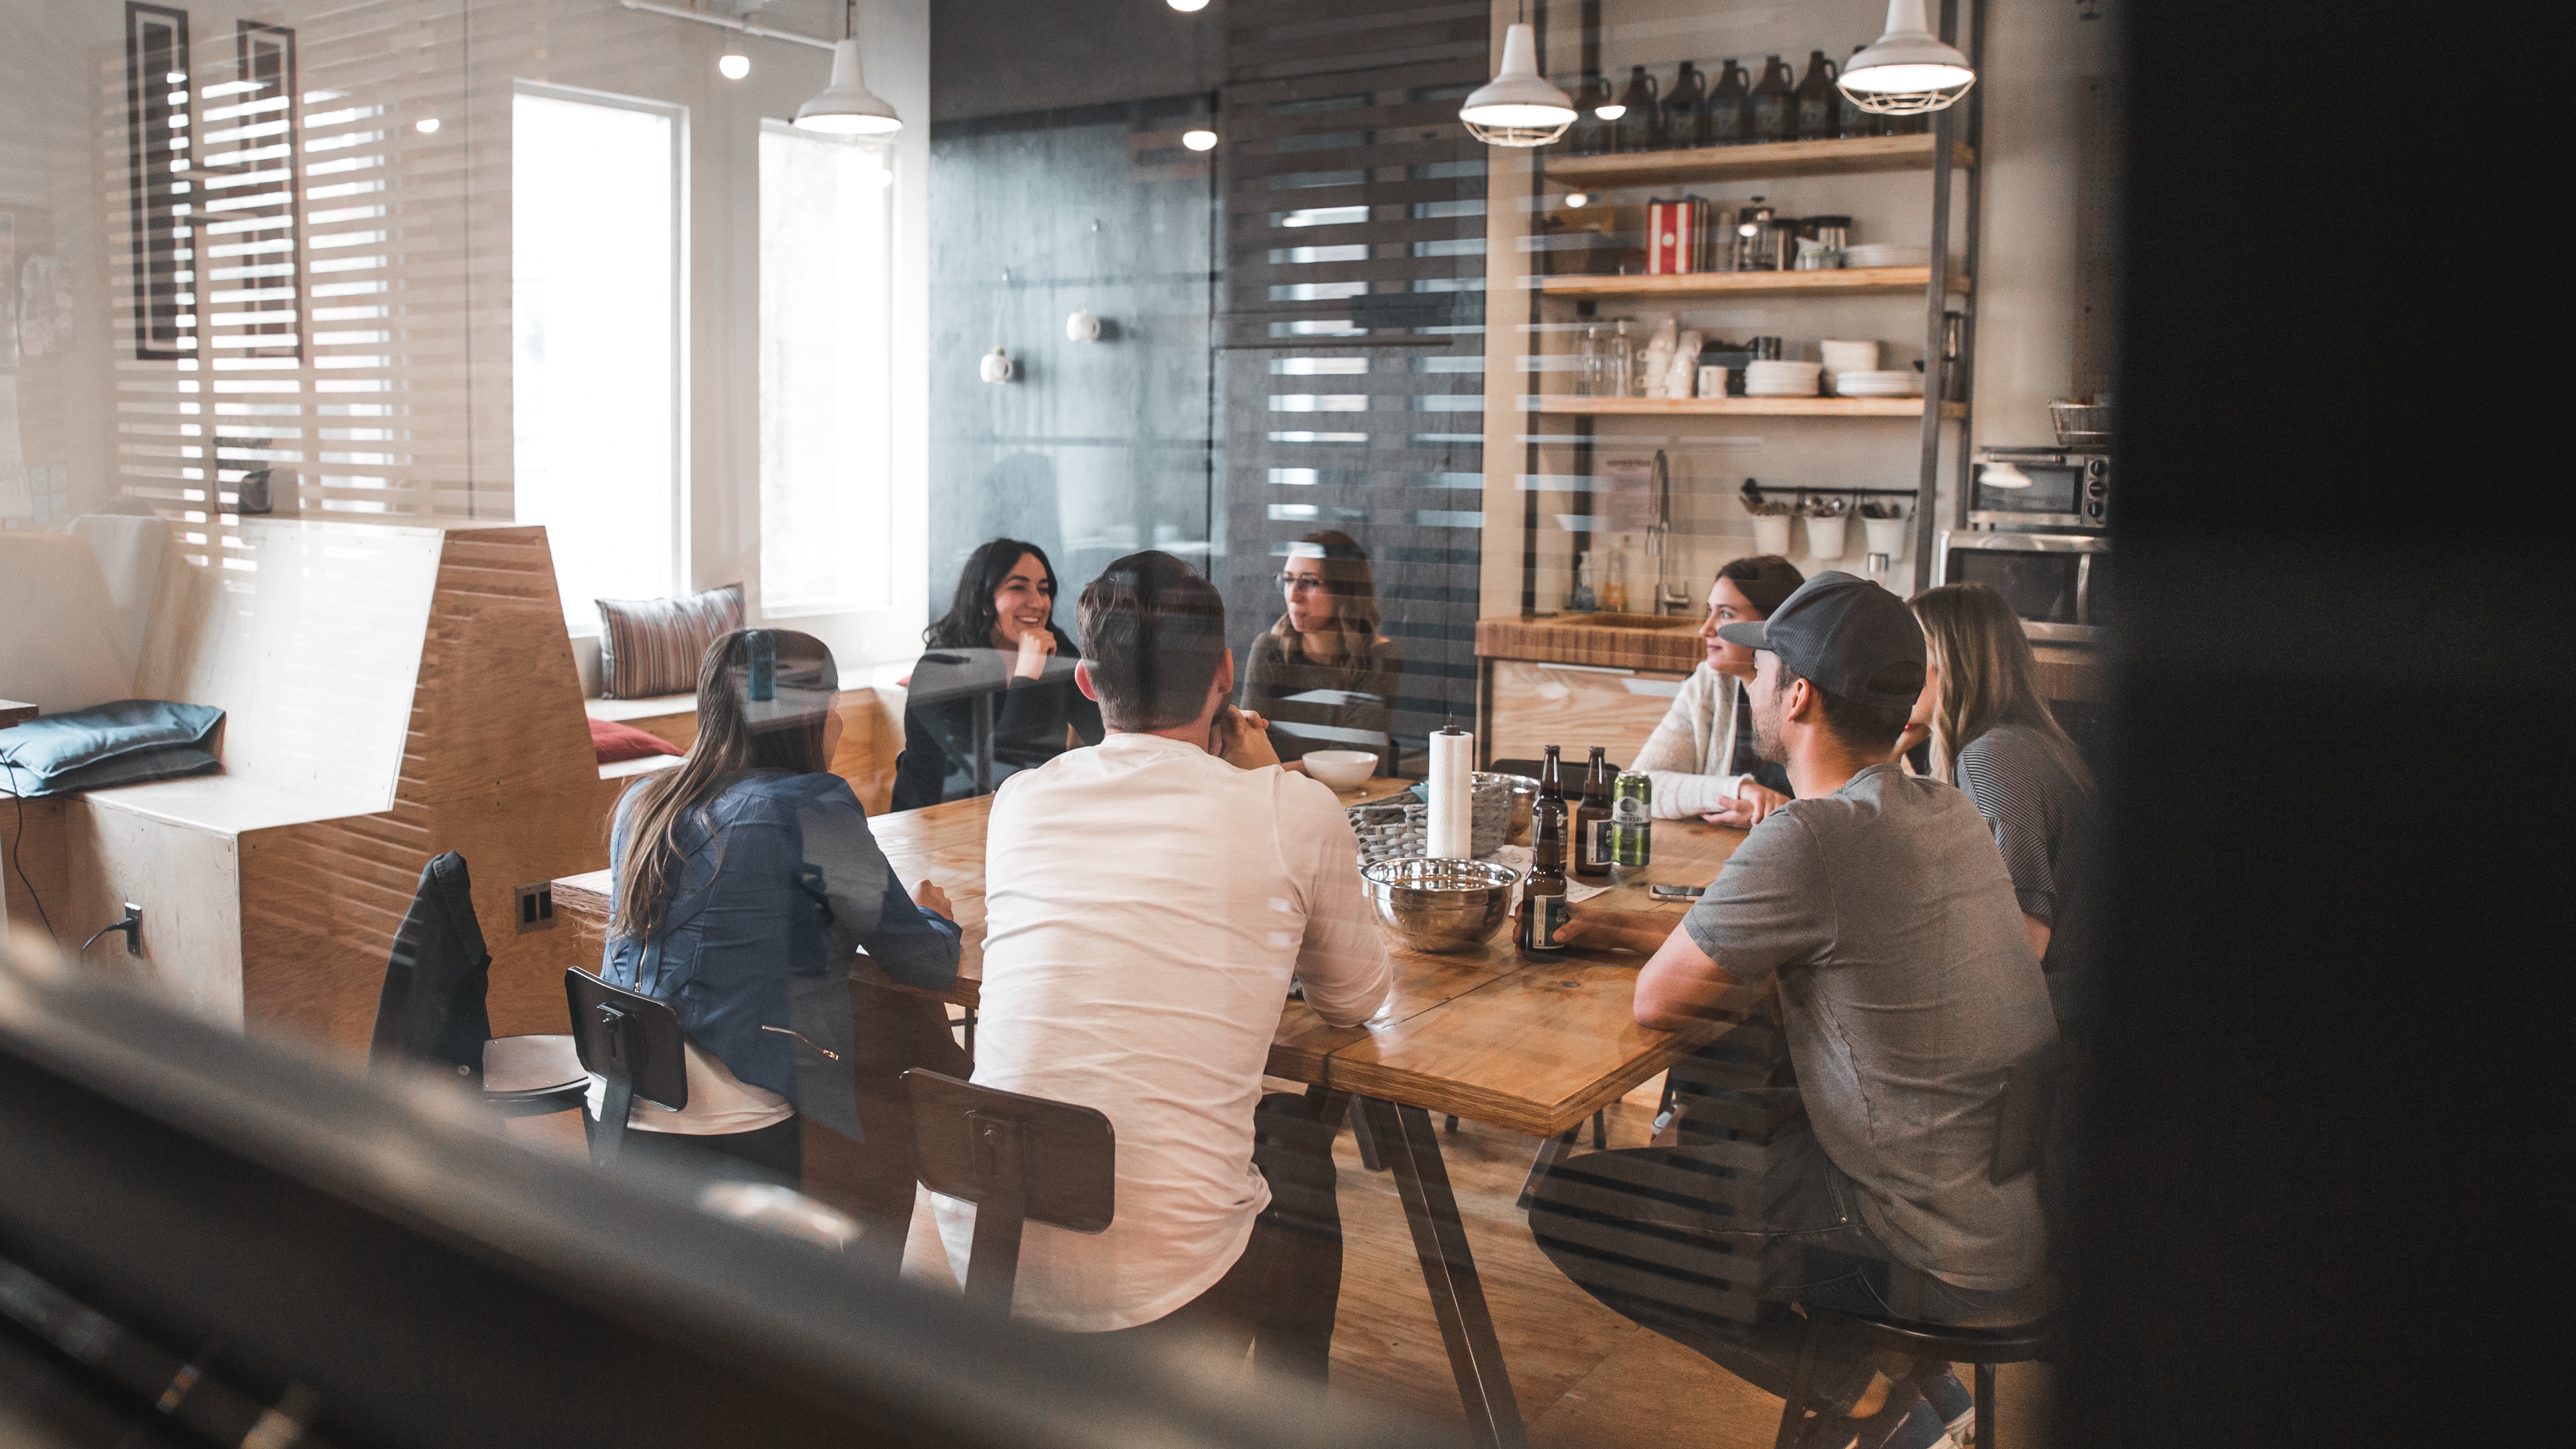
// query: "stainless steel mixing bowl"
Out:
[1439,905]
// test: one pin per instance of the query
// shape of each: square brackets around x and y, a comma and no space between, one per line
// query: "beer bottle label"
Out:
[1547,915]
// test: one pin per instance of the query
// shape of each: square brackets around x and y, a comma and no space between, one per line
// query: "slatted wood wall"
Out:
[1353,315]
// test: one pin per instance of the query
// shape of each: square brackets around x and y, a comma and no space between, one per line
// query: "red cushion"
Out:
[613,742]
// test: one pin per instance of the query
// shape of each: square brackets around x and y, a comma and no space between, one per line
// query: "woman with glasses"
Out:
[1322,675]
[996,684]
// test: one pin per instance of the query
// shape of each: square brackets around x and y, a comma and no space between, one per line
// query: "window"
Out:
[595,272]
[826,387]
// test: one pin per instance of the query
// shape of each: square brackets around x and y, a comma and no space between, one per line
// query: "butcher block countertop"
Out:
[1613,641]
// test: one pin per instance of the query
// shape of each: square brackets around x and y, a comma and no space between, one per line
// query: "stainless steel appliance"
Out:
[2055,488]
[2063,585]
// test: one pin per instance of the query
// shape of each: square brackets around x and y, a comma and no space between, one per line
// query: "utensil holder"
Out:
[1884,535]
[1825,536]
[1771,534]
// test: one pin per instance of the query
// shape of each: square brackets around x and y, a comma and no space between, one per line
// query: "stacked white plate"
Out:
[1782,379]
[1906,383]
[1883,254]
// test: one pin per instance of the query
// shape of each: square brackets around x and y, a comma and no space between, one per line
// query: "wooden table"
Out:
[1487,1035]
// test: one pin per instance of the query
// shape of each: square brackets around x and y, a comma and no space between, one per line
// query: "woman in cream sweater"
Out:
[1701,756]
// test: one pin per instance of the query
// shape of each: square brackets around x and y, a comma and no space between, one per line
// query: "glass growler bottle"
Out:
[1592,819]
[1849,119]
[1725,117]
[1641,125]
[1590,135]
[1543,908]
[1818,100]
[1775,103]
[1682,106]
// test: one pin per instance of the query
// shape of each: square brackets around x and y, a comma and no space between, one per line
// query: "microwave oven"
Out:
[2041,488]
[2063,585]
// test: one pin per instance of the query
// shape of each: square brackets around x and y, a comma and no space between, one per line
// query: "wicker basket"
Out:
[1399,825]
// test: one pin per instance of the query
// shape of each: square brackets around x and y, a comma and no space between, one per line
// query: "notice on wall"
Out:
[1623,494]
[17,499]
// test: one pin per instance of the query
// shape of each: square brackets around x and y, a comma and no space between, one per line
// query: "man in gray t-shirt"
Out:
[1875,911]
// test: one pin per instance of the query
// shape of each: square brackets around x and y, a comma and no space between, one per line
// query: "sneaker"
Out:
[1921,1428]
[1907,1423]
[1957,1407]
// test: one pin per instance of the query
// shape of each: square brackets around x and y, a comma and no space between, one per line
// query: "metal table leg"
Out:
[1412,1147]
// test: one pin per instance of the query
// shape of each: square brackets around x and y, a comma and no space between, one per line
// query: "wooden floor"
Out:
[1583,1374]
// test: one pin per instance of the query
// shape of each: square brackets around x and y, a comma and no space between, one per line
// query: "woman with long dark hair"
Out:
[742,884]
[1322,675]
[1701,757]
[1992,735]
[997,647]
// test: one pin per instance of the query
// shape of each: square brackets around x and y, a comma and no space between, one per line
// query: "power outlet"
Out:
[536,907]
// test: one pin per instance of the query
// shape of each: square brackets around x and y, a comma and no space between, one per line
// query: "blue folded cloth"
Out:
[124,743]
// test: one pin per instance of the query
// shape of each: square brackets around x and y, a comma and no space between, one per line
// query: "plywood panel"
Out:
[309,637]
[187,882]
[1537,705]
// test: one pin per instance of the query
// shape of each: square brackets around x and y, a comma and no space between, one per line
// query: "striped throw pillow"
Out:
[650,647]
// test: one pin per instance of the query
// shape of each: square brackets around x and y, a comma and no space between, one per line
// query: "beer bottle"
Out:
[1543,909]
[1591,837]
[1551,782]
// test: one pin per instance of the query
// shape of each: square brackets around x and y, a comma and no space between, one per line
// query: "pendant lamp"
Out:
[1908,70]
[847,107]
[1518,107]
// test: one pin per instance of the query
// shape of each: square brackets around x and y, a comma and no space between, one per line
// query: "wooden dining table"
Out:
[1530,1045]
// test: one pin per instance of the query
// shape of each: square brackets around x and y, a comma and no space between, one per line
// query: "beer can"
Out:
[1631,826]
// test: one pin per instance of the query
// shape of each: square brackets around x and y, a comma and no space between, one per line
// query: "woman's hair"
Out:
[1348,579]
[1989,677]
[971,618]
[763,697]
[1764,579]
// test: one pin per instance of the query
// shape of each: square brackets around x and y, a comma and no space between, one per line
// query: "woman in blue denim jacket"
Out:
[743,882]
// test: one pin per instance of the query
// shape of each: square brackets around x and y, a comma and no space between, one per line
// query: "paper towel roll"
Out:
[1451,825]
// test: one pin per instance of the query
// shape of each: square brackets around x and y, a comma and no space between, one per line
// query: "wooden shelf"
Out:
[1563,405]
[1770,158]
[1743,284]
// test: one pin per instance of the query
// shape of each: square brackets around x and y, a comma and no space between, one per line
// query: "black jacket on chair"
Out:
[432,1008]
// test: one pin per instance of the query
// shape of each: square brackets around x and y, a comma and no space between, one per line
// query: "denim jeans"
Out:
[1640,1229]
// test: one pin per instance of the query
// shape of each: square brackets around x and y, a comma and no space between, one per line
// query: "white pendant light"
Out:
[1908,70]
[847,107]
[1518,107]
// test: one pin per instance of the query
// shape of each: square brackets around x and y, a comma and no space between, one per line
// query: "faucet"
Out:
[1670,597]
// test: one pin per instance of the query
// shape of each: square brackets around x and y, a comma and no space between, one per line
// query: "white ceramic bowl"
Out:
[1342,769]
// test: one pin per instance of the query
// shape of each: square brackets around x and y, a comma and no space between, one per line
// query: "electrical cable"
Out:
[116,925]
[17,851]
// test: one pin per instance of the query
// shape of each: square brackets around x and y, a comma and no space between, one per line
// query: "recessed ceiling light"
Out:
[1201,140]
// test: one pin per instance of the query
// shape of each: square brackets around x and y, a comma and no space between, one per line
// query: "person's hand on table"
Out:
[1242,739]
[1605,929]
[1036,647]
[1753,804]
[934,900]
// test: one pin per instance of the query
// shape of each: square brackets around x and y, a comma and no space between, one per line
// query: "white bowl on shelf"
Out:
[1342,769]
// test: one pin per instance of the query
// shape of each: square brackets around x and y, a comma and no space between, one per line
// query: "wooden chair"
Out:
[1017,1159]
[2028,1133]
[432,1006]
[633,1042]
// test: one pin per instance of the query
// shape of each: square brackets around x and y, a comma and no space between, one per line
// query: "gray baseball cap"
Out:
[1845,635]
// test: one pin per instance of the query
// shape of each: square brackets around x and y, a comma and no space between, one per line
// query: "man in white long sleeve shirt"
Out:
[1147,901]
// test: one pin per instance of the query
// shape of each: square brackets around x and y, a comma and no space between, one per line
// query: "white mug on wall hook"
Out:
[1082,326]
[996,366]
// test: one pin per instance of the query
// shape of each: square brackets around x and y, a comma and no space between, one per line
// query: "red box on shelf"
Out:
[1677,236]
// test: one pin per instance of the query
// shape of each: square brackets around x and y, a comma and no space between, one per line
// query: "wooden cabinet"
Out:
[1529,705]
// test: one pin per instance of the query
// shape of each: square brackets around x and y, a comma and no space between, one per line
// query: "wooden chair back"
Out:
[1018,1159]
